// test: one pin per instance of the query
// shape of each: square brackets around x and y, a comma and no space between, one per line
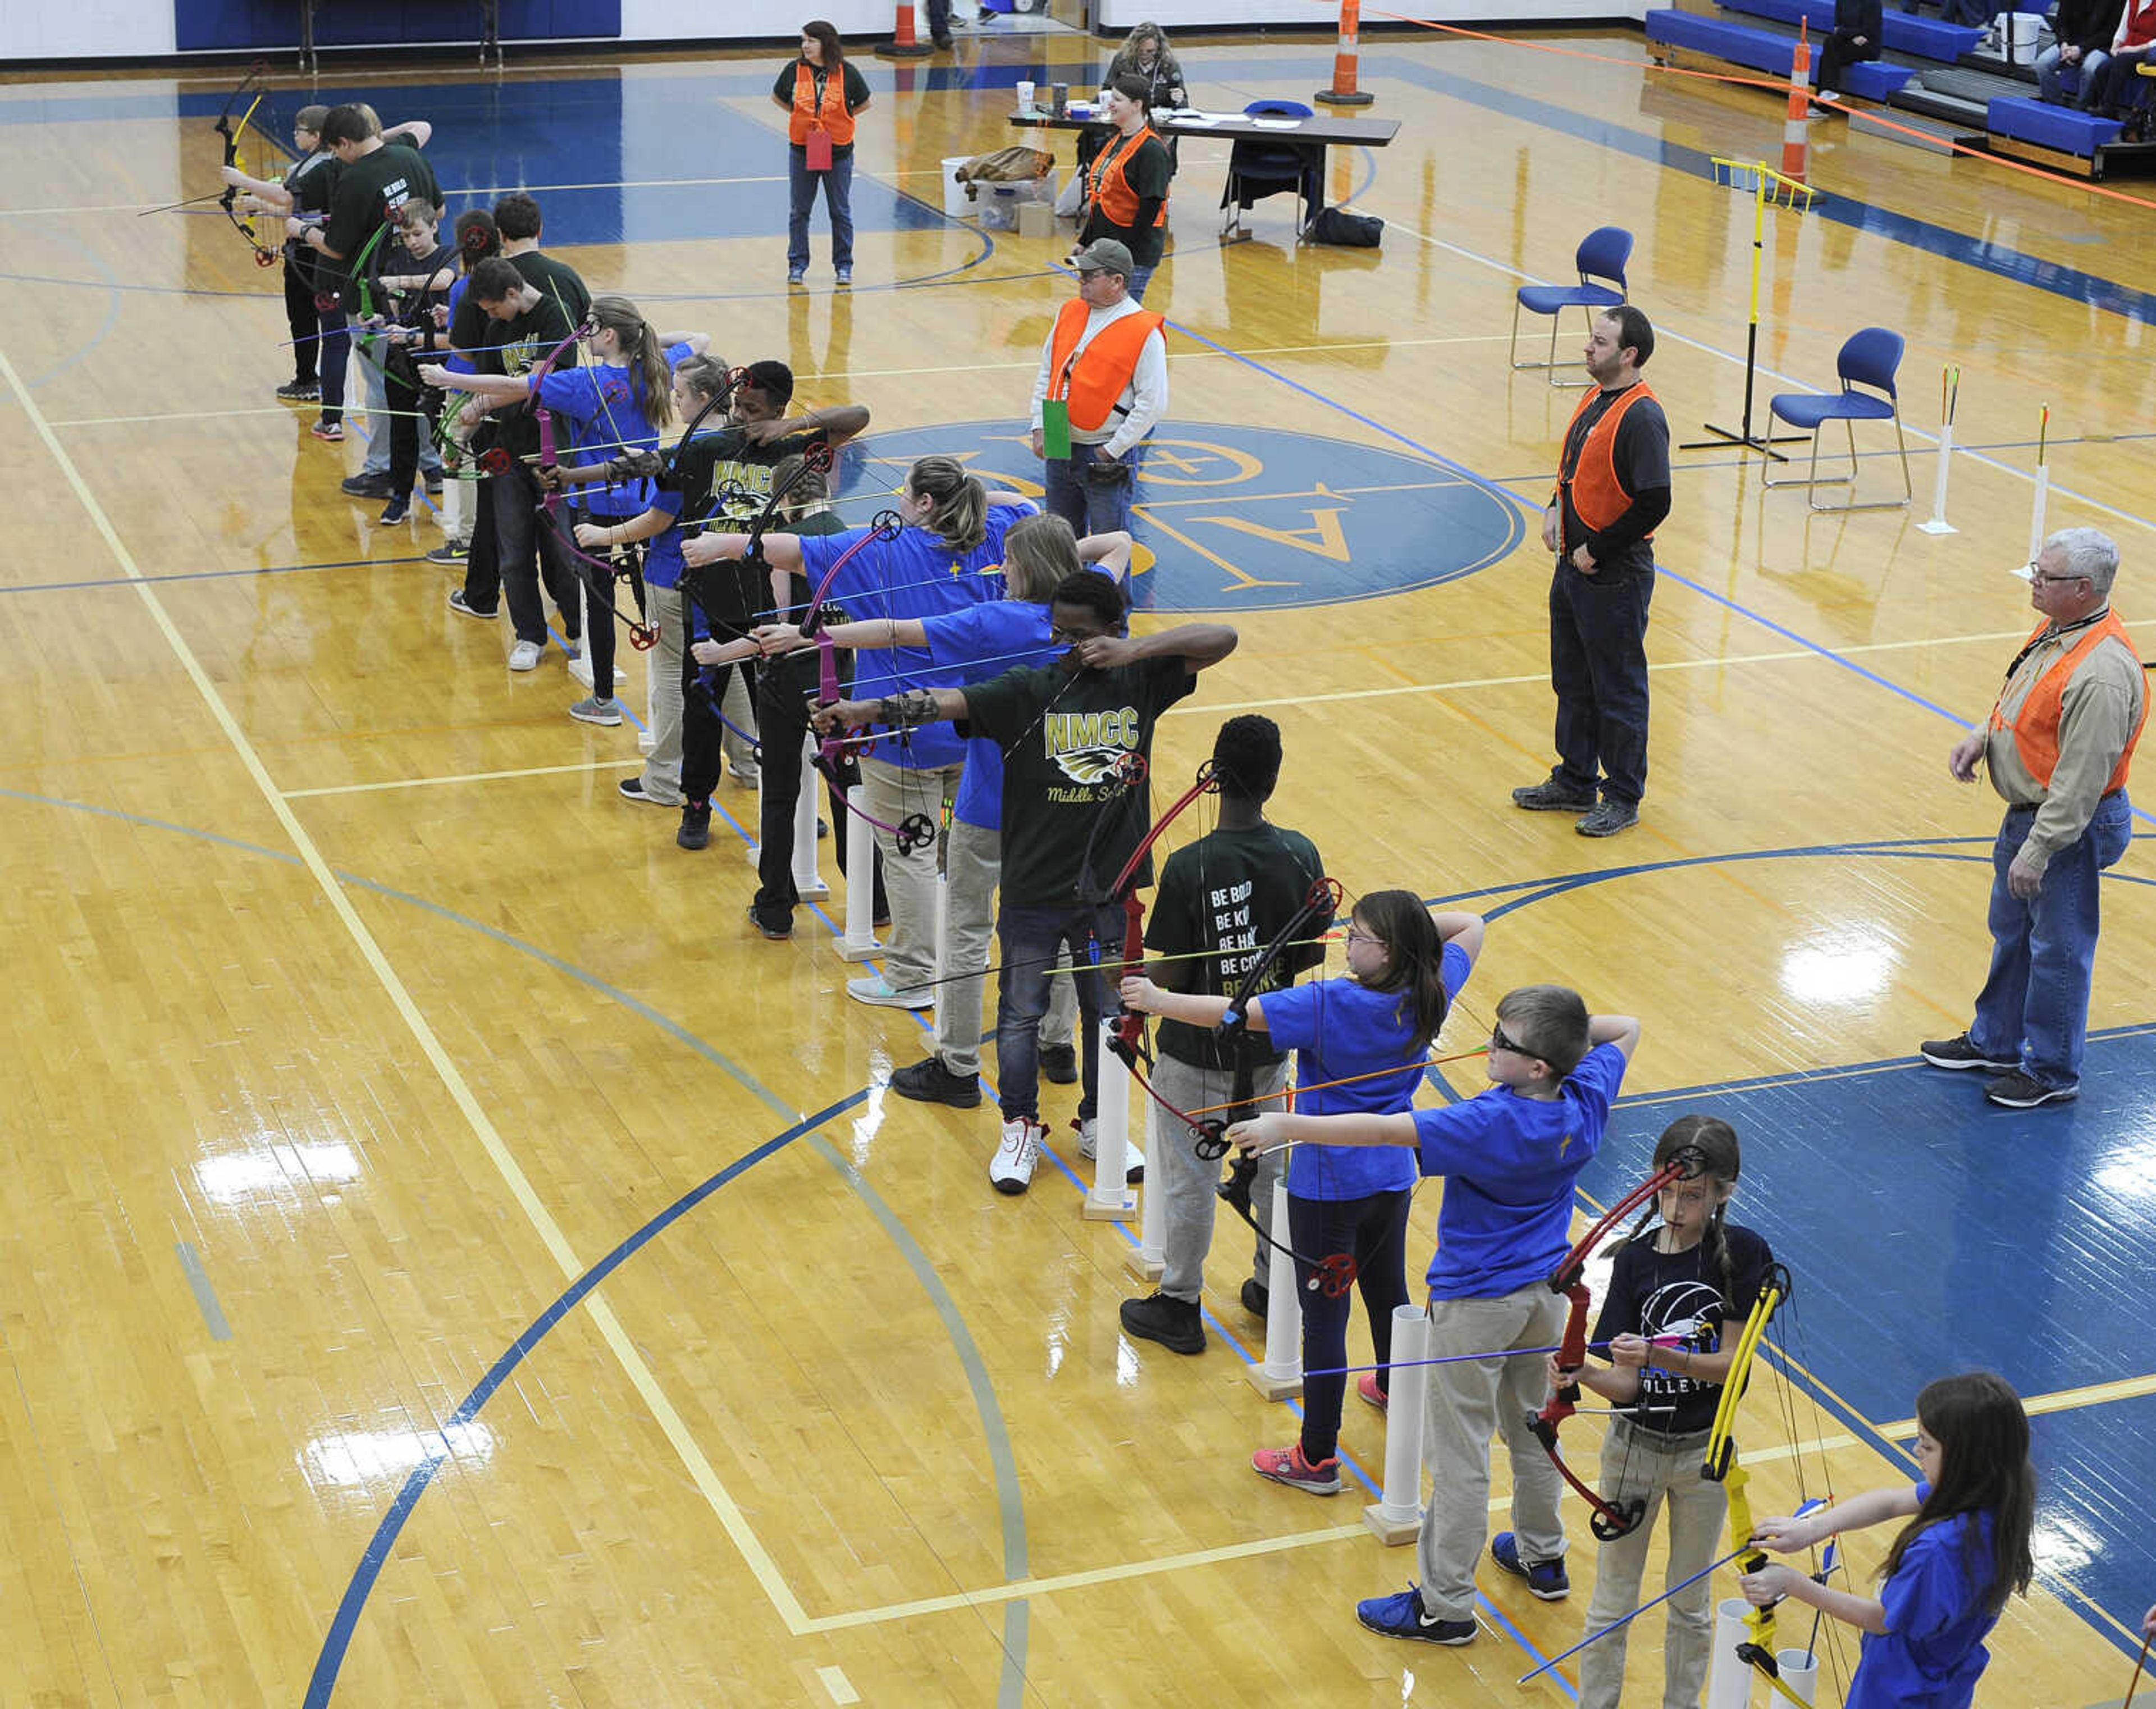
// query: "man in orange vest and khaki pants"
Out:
[1613,488]
[2057,744]
[1102,386]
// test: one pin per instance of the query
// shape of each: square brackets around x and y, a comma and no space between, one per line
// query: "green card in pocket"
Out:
[1055,428]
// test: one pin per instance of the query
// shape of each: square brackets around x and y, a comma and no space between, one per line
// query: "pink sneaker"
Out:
[1287,1465]
[1366,1385]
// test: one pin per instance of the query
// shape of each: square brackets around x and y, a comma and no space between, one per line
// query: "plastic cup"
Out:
[1025,97]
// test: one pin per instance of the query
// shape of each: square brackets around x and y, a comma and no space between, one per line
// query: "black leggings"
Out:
[305,323]
[1375,1230]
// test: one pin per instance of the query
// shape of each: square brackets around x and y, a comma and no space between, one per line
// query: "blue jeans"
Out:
[838,198]
[2035,1003]
[1091,504]
[2066,86]
[1598,668]
[1029,939]
[1140,278]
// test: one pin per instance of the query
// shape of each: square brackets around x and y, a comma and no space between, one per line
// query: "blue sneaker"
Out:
[1546,1579]
[1401,1616]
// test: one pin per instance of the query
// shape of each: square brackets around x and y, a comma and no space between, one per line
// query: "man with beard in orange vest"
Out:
[1102,386]
[2058,744]
[1613,488]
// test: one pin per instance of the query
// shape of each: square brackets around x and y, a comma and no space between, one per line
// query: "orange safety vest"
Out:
[1112,192]
[2036,726]
[1597,498]
[828,114]
[1090,380]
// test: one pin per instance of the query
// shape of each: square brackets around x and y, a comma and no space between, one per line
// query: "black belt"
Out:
[2037,806]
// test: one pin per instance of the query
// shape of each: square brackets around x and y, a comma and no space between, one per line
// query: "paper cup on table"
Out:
[1025,97]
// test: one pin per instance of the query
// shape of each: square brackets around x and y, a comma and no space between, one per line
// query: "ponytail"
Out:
[960,512]
[1414,964]
[649,380]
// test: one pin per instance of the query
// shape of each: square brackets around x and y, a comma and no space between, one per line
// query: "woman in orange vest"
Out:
[820,93]
[1126,184]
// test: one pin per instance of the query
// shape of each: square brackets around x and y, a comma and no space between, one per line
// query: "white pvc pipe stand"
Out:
[580,667]
[809,882]
[1397,1517]
[1279,1374]
[1728,1681]
[2037,506]
[456,499]
[1939,523]
[1110,1198]
[1148,1259]
[1799,1672]
[859,943]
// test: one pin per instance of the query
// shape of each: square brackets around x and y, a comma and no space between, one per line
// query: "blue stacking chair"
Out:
[1871,358]
[1259,167]
[1602,255]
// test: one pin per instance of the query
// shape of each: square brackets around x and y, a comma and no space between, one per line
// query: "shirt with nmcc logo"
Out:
[1061,737]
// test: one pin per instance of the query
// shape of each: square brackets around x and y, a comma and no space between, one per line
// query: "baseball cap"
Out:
[1104,255]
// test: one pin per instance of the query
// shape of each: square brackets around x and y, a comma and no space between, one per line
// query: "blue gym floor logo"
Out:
[1247,519]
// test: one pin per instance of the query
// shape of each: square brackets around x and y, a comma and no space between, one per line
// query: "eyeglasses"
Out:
[1498,1041]
[2037,575]
[1355,935]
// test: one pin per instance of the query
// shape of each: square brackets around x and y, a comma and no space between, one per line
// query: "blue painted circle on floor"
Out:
[1235,518]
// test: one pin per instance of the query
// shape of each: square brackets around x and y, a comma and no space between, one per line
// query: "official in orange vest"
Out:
[820,92]
[1127,183]
[1104,370]
[1612,490]
[2057,745]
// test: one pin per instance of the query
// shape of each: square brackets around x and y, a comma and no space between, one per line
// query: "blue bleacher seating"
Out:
[1903,31]
[2068,129]
[1764,50]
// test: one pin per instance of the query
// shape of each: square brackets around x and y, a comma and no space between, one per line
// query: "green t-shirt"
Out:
[558,280]
[368,193]
[1060,734]
[1222,900]
[520,345]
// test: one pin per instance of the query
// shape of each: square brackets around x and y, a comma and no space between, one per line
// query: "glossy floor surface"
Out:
[451,1259]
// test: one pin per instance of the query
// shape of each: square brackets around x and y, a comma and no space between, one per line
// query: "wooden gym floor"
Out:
[450,1259]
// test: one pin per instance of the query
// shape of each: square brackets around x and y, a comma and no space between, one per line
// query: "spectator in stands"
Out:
[2082,29]
[2118,89]
[1855,36]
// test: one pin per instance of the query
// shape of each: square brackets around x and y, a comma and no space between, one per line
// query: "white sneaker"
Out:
[524,655]
[876,992]
[1011,1169]
[1089,1147]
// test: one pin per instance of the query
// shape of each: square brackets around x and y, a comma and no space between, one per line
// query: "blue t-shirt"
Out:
[971,646]
[662,552]
[605,419]
[916,575]
[1932,1653]
[1509,1164]
[1339,1030]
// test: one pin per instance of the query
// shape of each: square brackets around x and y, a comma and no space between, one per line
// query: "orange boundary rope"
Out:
[1777,85]
[1424,1066]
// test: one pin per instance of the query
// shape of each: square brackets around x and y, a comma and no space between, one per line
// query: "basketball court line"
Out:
[2059,1400]
[640,1376]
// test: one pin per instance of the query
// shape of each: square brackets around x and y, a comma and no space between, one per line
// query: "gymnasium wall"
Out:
[138,29]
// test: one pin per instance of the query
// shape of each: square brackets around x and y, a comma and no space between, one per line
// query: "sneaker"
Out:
[1173,1323]
[1058,1066]
[364,485]
[433,482]
[1089,1147]
[1402,1616]
[454,551]
[1011,1169]
[1366,1385]
[1257,1298]
[1962,1052]
[776,934]
[465,607]
[597,709]
[632,789]
[1550,796]
[1608,818]
[1546,1579]
[846,273]
[794,274]
[396,511]
[299,391]
[524,655]
[1827,94]
[332,432]
[2017,1090]
[875,991]
[695,832]
[1287,1465]
[928,1081]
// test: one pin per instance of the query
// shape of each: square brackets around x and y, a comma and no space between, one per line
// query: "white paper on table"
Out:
[1191,119]
[1278,124]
